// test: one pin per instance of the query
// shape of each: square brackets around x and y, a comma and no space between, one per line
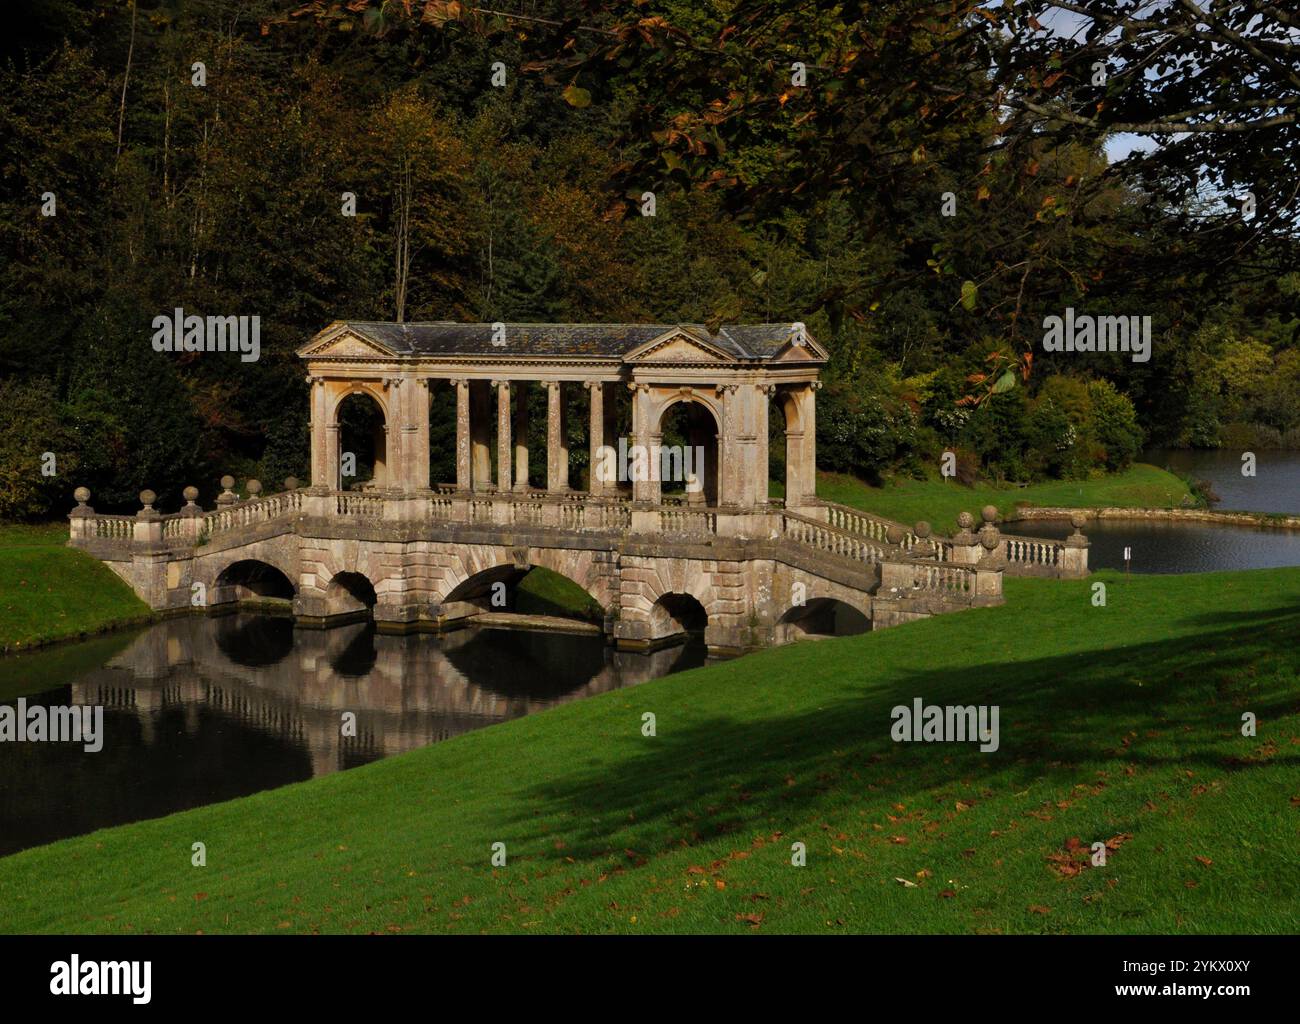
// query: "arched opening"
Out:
[687,460]
[252,581]
[782,417]
[530,590]
[363,443]
[350,596]
[543,592]
[821,617]
[678,617]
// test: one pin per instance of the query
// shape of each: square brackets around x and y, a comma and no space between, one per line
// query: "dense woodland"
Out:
[775,201]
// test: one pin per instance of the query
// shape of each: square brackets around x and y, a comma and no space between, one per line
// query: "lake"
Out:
[203,709]
[1171,547]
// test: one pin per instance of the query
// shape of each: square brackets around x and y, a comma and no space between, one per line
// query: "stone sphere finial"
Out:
[894,535]
[190,494]
[989,512]
[147,498]
[254,488]
[922,529]
[82,494]
[290,483]
[1078,519]
[965,520]
[227,482]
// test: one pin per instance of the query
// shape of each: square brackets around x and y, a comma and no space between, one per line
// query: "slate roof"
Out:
[448,338]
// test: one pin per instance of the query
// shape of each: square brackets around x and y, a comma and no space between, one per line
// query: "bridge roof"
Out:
[742,342]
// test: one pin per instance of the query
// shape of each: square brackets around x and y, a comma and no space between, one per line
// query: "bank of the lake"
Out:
[50,592]
[1118,724]
[939,501]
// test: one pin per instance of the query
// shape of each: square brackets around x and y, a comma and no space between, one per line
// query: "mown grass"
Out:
[543,592]
[52,592]
[1119,724]
[939,501]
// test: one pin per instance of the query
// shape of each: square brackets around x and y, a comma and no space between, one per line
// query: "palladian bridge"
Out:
[720,555]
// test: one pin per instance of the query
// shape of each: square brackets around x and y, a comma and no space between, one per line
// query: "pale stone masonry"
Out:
[418,554]
[731,376]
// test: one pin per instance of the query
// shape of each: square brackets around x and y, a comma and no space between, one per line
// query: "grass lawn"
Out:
[543,592]
[51,592]
[1118,725]
[939,501]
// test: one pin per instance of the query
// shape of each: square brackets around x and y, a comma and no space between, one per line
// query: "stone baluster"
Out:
[81,519]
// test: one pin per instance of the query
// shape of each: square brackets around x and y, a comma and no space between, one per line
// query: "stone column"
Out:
[394,426]
[557,445]
[462,435]
[417,441]
[762,452]
[333,453]
[596,436]
[793,468]
[480,435]
[810,442]
[320,463]
[521,437]
[504,449]
[644,489]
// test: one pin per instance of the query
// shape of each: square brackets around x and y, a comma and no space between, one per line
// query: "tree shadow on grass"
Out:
[1169,702]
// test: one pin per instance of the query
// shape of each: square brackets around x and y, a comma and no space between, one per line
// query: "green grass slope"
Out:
[939,501]
[52,592]
[1119,724]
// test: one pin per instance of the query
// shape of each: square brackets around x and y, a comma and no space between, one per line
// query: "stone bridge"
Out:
[721,556]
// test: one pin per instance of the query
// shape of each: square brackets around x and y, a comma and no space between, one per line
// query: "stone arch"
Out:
[473,584]
[711,441]
[582,568]
[823,616]
[676,613]
[251,579]
[344,391]
[645,615]
[350,594]
[380,443]
[785,400]
[690,395]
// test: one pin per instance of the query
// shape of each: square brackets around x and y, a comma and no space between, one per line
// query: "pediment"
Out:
[341,342]
[792,353]
[678,346]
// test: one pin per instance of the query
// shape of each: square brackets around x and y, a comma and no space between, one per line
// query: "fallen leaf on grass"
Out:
[1034,908]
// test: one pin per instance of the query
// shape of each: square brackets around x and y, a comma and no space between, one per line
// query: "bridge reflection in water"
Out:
[201,709]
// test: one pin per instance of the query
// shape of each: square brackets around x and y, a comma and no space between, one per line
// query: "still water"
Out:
[199,710]
[1169,547]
